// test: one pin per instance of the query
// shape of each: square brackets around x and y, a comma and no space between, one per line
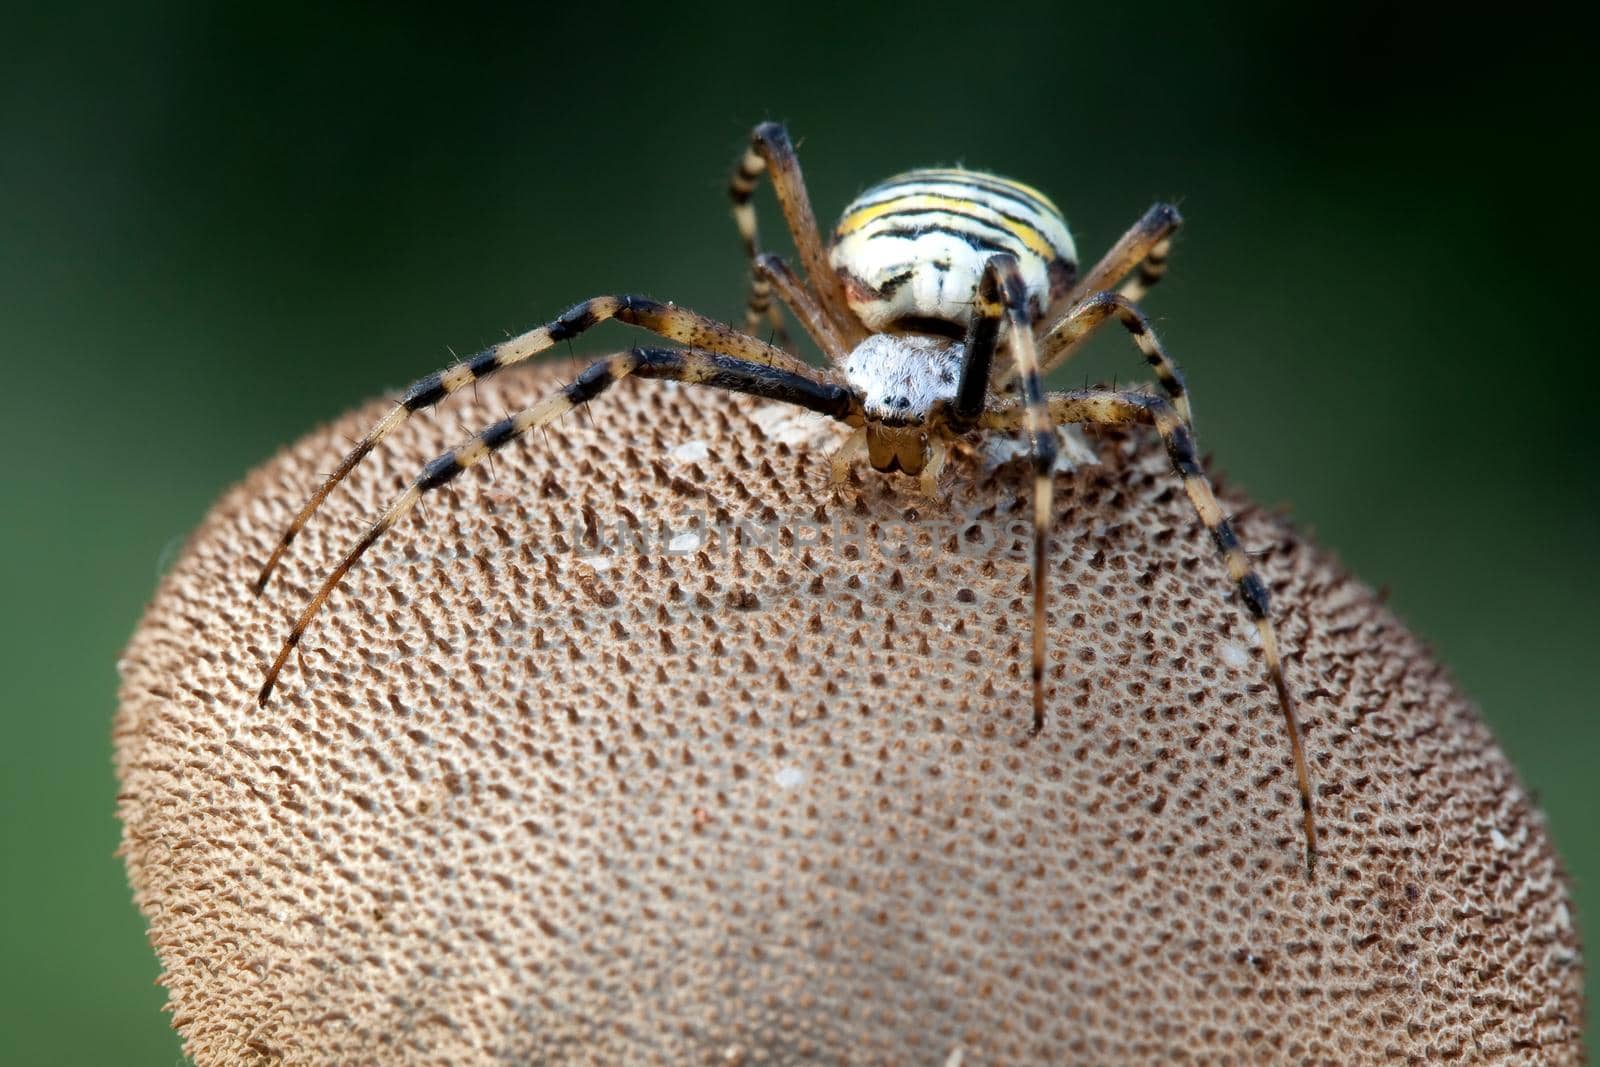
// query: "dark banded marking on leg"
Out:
[1059,344]
[1002,295]
[664,319]
[1151,270]
[760,306]
[1106,407]
[1151,235]
[772,153]
[793,292]
[807,389]
[741,187]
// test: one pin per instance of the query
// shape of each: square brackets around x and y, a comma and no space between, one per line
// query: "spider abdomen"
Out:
[911,249]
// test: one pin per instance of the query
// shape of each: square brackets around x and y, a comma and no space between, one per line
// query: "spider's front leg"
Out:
[792,291]
[1145,246]
[1002,300]
[1107,407]
[666,320]
[1060,341]
[771,152]
[1092,303]
[803,387]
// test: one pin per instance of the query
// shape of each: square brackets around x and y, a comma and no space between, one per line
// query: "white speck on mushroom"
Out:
[1233,655]
[1498,839]
[687,541]
[691,451]
[789,776]
[600,563]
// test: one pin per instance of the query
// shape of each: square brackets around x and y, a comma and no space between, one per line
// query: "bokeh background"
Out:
[219,227]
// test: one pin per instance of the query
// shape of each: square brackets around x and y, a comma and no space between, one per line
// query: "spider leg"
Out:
[1076,326]
[741,187]
[793,292]
[1002,297]
[938,456]
[759,305]
[771,150]
[807,389]
[839,463]
[667,320]
[1145,246]
[1105,407]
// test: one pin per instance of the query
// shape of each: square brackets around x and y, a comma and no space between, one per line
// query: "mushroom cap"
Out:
[543,788]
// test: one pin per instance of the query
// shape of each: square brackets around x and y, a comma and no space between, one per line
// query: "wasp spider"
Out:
[929,278]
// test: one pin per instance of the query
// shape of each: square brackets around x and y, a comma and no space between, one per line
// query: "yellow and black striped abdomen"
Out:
[911,249]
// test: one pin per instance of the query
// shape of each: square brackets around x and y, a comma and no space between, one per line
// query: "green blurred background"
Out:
[221,227]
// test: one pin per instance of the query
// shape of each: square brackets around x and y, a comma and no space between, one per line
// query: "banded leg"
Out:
[803,388]
[667,320]
[1076,326]
[771,150]
[793,292]
[1145,246]
[741,187]
[760,306]
[1105,407]
[1002,296]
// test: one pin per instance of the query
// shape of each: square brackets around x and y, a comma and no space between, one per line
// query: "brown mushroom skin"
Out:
[533,794]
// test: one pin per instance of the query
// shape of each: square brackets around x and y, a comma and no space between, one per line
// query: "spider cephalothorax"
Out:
[943,298]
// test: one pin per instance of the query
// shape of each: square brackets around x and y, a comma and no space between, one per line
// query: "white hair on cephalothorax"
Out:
[901,376]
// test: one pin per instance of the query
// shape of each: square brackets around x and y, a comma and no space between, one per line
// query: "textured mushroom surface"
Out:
[649,745]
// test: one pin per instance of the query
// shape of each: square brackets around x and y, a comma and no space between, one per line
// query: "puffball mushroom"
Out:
[649,744]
